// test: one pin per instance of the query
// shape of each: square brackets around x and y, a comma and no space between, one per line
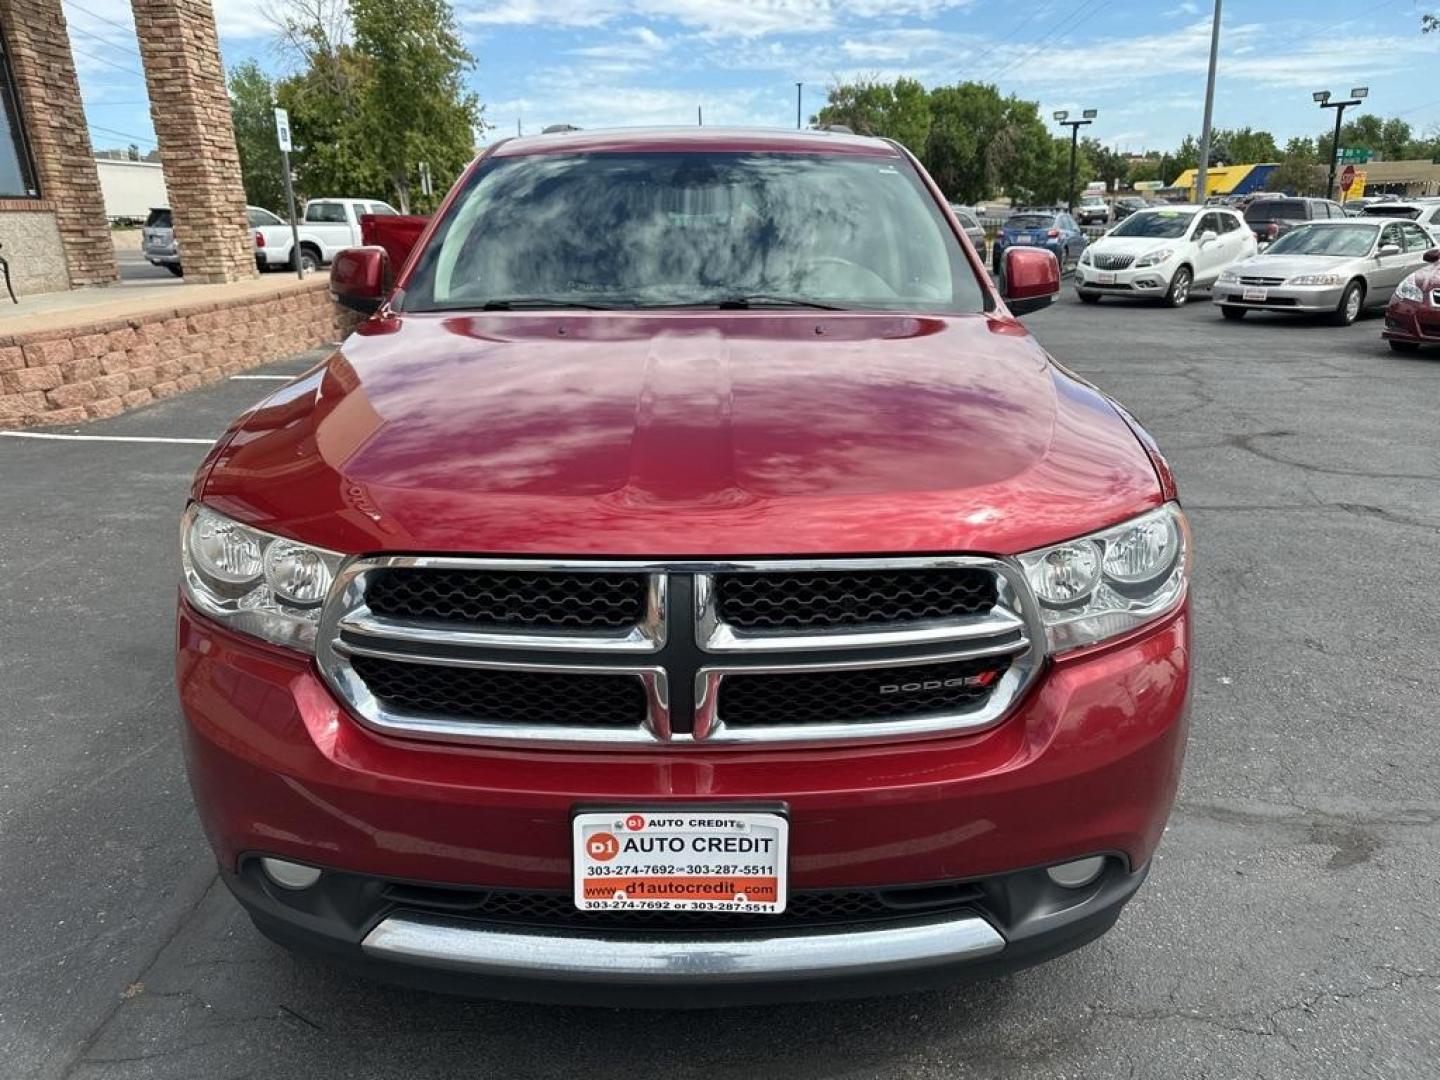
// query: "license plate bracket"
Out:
[1256,295]
[709,859]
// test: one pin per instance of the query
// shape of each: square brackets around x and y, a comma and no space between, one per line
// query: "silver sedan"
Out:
[1334,267]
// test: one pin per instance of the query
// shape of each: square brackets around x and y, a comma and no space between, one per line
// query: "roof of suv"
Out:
[660,139]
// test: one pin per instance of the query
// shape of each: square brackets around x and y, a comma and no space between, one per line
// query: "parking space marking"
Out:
[105,438]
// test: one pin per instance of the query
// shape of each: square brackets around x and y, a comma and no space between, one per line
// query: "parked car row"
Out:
[327,227]
[1320,263]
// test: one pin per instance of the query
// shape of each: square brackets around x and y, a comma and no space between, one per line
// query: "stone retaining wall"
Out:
[84,371]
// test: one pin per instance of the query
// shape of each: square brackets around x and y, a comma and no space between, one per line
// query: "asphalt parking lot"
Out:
[1287,929]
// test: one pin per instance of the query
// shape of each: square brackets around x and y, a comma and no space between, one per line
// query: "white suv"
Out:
[1163,253]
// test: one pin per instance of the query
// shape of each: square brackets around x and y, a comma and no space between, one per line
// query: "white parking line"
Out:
[262,378]
[104,438]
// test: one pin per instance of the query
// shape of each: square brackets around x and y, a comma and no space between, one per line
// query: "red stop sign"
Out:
[1347,177]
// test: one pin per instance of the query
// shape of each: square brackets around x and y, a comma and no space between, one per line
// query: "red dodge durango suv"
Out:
[691,584]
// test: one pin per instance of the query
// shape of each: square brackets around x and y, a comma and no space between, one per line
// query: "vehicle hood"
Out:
[1288,266]
[683,434]
[1132,245]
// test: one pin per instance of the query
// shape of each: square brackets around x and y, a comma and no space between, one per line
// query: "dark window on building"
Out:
[17,175]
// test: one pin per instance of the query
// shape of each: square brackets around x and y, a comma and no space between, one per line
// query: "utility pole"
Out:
[699,116]
[1322,98]
[1087,117]
[798,88]
[1200,173]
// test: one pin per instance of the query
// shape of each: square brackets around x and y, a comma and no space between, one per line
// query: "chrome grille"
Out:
[510,598]
[834,599]
[1266,281]
[512,651]
[1108,261]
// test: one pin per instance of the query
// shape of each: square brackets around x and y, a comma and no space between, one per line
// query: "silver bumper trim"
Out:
[455,945]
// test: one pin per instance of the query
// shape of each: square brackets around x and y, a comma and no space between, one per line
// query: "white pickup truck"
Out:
[327,227]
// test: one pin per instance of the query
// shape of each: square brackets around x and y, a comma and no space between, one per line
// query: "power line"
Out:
[1065,24]
[95,15]
[104,41]
[112,63]
[122,134]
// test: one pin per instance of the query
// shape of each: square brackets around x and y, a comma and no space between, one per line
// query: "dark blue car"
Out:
[1054,230]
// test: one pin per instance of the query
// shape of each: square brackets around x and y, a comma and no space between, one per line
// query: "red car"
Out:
[1412,318]
[691,584]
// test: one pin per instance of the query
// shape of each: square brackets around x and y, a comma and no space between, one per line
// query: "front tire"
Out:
[1180,286]
[175,269]
[1351,301]
[1405,346]
[1230,311]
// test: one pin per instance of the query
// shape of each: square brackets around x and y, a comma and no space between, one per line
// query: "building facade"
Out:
[53,226]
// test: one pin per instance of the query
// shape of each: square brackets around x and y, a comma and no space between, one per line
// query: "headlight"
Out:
[1155,258]
[256,583]
[1085,256]
[1111,582]
[1230,275]
[1409,289]
[1317,279]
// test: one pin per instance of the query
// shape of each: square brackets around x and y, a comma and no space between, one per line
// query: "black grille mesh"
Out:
[805,908]
[822,697]
[509,598]
[517,697]
[839,599]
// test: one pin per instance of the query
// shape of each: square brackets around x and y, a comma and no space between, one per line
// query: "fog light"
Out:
[1077,874]
[289,875]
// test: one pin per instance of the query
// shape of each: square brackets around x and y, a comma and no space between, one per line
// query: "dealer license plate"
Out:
[1107,279]
[1256,294]
[660,860]
[1023,240]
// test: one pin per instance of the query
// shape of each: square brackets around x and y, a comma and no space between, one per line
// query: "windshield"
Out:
[1341,241]
[704,228]
[1030,221]
[1159,224]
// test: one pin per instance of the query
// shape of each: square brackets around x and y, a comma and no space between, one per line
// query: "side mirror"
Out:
[1386,250]
[1433,255]
[1032,279]
[360,278]
[1208,235]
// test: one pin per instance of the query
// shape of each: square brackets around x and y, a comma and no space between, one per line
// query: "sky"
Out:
[593,63]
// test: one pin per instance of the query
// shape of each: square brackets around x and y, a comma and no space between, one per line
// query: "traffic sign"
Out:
[1357,154]
[1347,177]
[282,129]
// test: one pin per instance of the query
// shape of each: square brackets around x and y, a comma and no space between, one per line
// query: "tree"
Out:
[1106,164]
[1430,24]
[899,110]
[1299,172]
[1187,156]
[1243,146]
[252,103]
[413,100]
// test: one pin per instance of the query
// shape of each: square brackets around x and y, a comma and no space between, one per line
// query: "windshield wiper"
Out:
[520,303]
[756,300]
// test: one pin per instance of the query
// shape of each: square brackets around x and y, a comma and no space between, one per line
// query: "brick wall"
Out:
[39,50]
[191,113]
[92,370]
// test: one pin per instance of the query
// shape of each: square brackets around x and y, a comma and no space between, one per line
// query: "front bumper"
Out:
[1087,764]
[1412,320]
[1147,281]
[162,258]
[1310,299]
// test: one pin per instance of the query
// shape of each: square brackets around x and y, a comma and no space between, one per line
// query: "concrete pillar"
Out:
[39,49]
[191,113]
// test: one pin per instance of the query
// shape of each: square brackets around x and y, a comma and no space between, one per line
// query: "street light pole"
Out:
[798,88]
[1075,125]
[1202,173]
[1322,98]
